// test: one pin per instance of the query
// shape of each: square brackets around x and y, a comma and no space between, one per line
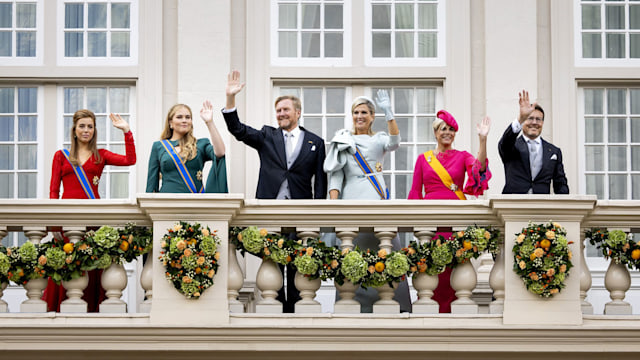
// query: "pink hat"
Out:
[448,119]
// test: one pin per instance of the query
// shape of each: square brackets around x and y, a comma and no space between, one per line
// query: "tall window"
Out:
[18,142]
[19,23]
[611,118]
[608,30]
[409,31]
[98,30]
[310,32]
[116,181]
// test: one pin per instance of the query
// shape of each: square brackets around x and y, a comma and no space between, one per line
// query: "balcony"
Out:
[227,320]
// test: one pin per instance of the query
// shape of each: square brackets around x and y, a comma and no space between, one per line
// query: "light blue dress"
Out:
[345,175]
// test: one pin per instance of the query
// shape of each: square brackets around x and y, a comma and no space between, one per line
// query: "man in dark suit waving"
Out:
[291,158]
[530,163]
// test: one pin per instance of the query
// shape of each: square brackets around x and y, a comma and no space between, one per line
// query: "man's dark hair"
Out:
[539,108]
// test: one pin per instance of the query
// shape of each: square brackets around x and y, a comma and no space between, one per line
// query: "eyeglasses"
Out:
[534,119]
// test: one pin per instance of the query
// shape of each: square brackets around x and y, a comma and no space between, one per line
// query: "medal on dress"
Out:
[453,187]
[429,159]
[378,167]
[199,175]
[96,180]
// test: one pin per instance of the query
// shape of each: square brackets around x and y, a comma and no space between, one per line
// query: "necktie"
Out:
[288,143]
[533,158]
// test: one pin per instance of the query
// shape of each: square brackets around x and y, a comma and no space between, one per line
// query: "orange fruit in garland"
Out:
[467,245]
[68,248]
[379,266]
[545,243]
[124,245]
[635,254]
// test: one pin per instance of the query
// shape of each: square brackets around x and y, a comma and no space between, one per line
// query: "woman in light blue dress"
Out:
[350,178]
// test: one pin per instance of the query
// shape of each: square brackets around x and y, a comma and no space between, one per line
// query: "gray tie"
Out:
[534,159]
[288,144]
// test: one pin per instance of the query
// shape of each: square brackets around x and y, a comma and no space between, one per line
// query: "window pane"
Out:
[312,102]
[27,100]
[379,124]
[25,15]
[6,186]
[118,149]
[403,101]
[27,183]
[404,158]
[27,128]
[635,187]
[425,129]
[119,100]
[25,43]
[634,46]
[404,124]
[120,16]
[635,129]
[335,100]
[617,130]
[334,124]
[311,16]
[634,17]
[97,17]
[617,158]
[73,16]
[595,185]
[427,45]
[594,130]
[333,45]
[6,128]
[6,157]
[404,44]
[290,91]
[591,46]
[73,44]
[615,17]
[426,100]
[5,43]
[120,44]
[594,156]
[119,185]
[634,94]
[591,16]
[97,44]
[97,100]
[287,16]
[101,128]
[635,158]
[117,135]
[404,16]
[6,100]
[616,101]
[593,101]
[403,185]
[68,121]
[333,17]
[27,157]
[617,187]
[310,45]
[615,46]
[6,14]
[381,17]
[287,44]
[73,99]
[381,45]
[427,16]
[313,124]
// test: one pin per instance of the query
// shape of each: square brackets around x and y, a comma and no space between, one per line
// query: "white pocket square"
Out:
[554,157]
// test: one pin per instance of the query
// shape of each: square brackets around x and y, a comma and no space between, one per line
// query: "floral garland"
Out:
[431,257]
[190,257]
[374,269]
[5,265]
[617,245]
[542,258]
[26,262]
[265,245]
[469,243]
[317,260]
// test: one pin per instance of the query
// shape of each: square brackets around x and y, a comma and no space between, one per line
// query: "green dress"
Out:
[161,166]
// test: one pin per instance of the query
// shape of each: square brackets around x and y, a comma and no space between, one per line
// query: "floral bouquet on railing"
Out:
[107,248]
[5,265]
[374,268]
[430,258]
[26,262]
[190,257]
[542,259]
[617,245]
[317,260]
[469,243]
[134,241]
[261,243]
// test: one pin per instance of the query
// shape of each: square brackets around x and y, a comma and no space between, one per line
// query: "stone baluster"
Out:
[425,284]
[307,287]
[496,281]
[75,287]
[146,282]
[585,279]
[617,281]
[347,291]
[386,304]
[463,280]
[34,287]
[269,281]
[235,281]
[114,281]
[4,307]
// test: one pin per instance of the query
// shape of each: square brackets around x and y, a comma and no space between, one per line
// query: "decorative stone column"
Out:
[146,282]
[496,281]
[425,284]
[386,304]
[463,281]
[308,287]
[75,288]
[617,281]
[4,307]
[347,291]
[585,279]
[114,281]
[269,281]
[34,287]
[235,281]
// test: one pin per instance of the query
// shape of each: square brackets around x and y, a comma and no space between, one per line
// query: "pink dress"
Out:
[457,163]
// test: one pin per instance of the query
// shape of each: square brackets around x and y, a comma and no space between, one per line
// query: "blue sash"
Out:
[366,169]
[81,175]
[182,168]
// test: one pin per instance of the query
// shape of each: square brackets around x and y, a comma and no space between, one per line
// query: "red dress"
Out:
[62,172]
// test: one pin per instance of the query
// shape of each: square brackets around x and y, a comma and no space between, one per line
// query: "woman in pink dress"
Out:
[440,174]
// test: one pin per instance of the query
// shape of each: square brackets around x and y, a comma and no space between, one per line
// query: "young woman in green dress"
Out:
[177,161]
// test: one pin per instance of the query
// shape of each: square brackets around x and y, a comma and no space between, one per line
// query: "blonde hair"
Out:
[294,99]
[188,143]
[93,143]
[437,123]
[363,100]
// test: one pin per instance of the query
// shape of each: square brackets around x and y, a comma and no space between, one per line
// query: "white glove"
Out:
[384,103]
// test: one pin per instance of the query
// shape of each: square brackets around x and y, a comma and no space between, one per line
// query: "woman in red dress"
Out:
[84,153]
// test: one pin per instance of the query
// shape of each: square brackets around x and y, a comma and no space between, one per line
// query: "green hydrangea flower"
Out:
[28,252]
[616,238]
[103,262]
[354,267]
[173,245]
[190,288]
[441,255]
[55,258]
[478,239]
[252,240]
[5,264]
[279,256]
[208,245]
[396,264]
[106,237]
[306,264]
[190,262]
[376,280]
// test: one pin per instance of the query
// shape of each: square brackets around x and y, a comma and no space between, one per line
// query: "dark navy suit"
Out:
[517,171]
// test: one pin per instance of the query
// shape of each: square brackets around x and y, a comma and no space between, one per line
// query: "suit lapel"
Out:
[279,146]
[304,149]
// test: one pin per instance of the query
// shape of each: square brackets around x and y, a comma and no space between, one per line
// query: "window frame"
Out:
[37,60]
[86,60]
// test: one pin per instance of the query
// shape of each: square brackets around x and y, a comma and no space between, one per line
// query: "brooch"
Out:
[96,180]
[429,159]
[378,167]
[199,175]
[453,187]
